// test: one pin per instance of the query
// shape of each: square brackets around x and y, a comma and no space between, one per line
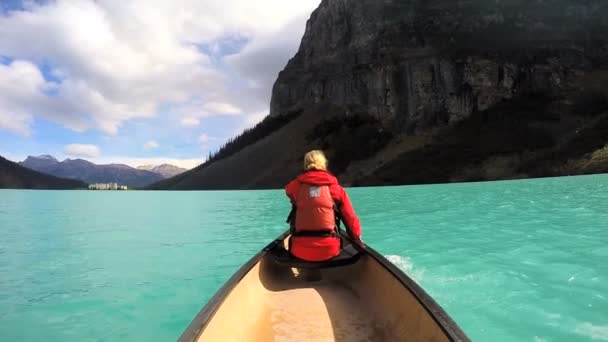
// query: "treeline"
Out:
[350,138]
[249,137]
[252,135]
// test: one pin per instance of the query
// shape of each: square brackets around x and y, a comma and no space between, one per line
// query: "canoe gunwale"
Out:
[443,320]
[203,318]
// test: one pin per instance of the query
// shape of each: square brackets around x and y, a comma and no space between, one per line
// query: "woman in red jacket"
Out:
[316,194]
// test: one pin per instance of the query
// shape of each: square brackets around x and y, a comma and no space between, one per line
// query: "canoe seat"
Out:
[348,255]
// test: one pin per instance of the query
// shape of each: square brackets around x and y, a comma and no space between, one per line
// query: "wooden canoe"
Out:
[358,296]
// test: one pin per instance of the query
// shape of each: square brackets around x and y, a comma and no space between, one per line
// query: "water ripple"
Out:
[510,261]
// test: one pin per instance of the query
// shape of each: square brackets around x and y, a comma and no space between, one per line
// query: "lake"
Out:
[509,261]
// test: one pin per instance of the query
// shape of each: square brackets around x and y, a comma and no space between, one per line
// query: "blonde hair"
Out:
[315,160]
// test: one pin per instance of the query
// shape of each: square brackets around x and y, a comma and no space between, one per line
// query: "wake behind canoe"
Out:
[358,296]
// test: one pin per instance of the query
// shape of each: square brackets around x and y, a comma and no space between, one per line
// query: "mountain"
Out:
[409,92]
[40,162]
[91,173]
[165,170]
[14,176]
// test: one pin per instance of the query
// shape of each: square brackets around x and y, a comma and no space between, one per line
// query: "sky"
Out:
[139,81]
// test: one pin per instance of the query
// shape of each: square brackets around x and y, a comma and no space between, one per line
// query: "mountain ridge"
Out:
[428,92]
[15,176]
[165,170]
[91,173]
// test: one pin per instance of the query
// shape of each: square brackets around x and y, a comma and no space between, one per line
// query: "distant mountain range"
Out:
[15,176]
[165,170]
[92,173]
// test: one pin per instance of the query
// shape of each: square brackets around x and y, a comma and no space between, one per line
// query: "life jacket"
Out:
[314,211]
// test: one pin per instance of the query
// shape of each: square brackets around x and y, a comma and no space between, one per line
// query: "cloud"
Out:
[100,64]
[24,93]
[256,117]
[115,61]
[82,151]
[204,139]
[250,121]
[189,122]
[20,82]
[260,62]
[192,111]
[150,145]
[222,108]
[108,70]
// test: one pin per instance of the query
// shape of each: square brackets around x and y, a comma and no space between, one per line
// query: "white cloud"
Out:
[20,82]
[249,121]
[222,108]
[260,62]
[256,117]
[192,111]
[150,145]
[116,61]
[23,95]
[204,139]
[189,122]
[82,151]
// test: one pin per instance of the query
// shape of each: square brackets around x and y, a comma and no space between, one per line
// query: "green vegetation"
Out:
[350,138]
[506,131]
[250,136]
[601,154]
[234,145]
[568,157]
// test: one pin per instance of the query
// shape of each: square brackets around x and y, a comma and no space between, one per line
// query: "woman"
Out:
[315,194]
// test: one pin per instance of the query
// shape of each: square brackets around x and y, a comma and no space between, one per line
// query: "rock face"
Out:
[433,91]
[415,63]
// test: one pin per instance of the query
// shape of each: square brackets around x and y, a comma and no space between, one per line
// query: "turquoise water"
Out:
[510,261]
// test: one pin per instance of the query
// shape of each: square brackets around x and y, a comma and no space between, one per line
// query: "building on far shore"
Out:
[107,186]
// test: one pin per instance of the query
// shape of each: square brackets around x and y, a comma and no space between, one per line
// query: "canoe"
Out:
[357,296]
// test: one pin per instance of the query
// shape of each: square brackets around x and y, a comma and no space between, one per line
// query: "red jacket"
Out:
[323,248]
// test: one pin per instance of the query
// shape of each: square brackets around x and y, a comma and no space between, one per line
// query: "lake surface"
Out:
[509,261]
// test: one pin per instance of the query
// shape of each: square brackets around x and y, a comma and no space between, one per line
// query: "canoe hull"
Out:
[370,299]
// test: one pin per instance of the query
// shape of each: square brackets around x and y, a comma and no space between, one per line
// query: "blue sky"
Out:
[139,82]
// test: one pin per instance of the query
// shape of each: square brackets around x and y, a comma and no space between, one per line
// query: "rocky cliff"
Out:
[420,63]
[427,91]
